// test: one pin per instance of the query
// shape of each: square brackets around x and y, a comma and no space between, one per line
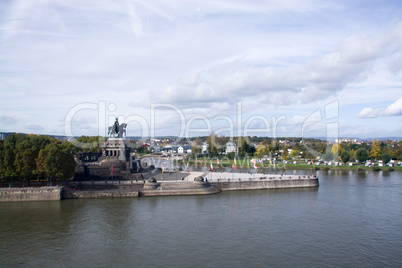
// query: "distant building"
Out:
[170,149]
[184,149]
[231,148]
[347,140]
[3,135]
[204,148]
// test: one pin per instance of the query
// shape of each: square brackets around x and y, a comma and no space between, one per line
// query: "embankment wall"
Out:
[47,193]
[182,188]
[265,184]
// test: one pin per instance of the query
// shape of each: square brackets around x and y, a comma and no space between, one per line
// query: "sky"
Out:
[189,68]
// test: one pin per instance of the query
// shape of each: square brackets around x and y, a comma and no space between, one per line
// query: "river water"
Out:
[354,219]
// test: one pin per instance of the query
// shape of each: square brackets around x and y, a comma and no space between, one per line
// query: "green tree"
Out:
[245,147]
[386,158]
[319,146]
[352,155]
[196,147]
[221,144]
[285,154]
[10,144]
[212,142]
[294,153]
[140,148]
[21,158]
[345,156]
[231,155]
[56,162]
[40,163]
[89,143]
[307,155]
[2,167]
[25,155]
[328,156]
[361,155]
[60,162]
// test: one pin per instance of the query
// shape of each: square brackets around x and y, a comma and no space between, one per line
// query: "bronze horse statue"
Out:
[118,129]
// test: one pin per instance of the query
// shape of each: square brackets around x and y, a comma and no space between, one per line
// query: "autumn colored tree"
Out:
[375,150]
[336,150]
[262,150]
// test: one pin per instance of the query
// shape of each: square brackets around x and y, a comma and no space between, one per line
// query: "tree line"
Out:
[300,148]
[38,157]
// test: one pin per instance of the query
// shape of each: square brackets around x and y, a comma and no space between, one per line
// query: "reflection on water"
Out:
[353,219]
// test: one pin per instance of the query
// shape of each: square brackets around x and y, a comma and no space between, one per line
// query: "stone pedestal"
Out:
[114,164]
[116,148]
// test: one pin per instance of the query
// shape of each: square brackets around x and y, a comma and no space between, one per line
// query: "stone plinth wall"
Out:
[106,194]
[101,173]
[47,193]
[181,188]
[86,186]
[265,184]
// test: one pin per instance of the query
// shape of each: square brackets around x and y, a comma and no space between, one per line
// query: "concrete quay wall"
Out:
[265,184]
[47,193]
[180,188]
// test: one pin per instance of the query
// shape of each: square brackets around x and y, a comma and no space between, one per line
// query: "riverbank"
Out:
[267,167]
[355,167]
[244,164]
[193,183]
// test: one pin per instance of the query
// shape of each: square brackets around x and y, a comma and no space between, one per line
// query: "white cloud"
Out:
[272,56]
[394,109]
[315,79]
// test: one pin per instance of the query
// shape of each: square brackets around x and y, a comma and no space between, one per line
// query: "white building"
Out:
[184,149]
[347,140]
[204,148]
[231,148]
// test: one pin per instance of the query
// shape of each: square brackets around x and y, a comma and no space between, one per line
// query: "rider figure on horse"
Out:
[116,126]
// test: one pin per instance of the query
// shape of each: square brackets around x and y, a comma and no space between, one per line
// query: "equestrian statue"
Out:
[117,129]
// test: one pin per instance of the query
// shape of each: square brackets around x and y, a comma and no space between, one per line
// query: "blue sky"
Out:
[266,68]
